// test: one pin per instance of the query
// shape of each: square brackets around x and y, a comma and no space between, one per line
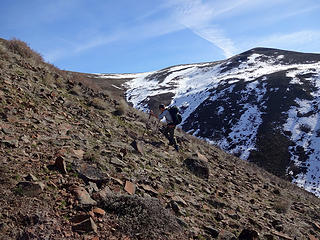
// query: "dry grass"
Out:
[82,80]
[145,217]
[76,90]
[121,108]
[282,206]
[21,48]
[98,104]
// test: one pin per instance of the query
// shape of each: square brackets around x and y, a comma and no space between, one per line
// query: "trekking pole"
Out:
[157,129]
[147,124]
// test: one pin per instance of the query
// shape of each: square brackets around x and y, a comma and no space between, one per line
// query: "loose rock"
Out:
[198,167]
[31,189]
[248,234]
[60,164]
[82,195]
[87,225]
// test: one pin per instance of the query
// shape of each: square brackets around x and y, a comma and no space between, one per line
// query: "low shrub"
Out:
[76,90]
[21,48]
[98,104]
[282,206]
[121,108]
[143,216]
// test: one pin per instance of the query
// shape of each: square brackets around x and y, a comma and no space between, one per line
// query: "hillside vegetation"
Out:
[78,163]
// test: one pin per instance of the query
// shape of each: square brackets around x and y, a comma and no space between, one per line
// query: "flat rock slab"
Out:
[92,173]
[31,189]
[130,187]
[198,167]
[82,195]
[138,146]
[87,225]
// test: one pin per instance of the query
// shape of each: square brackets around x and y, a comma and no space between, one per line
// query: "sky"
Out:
[127,36]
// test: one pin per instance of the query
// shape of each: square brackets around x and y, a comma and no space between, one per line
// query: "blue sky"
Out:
[127,36]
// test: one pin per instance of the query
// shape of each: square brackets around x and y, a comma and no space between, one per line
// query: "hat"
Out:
[161,106]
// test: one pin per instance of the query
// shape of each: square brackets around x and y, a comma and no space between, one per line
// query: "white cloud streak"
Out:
[198,17]
[297,40]
[217,37]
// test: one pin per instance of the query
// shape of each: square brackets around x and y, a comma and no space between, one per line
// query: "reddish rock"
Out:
[149,189]
[82,195]
[78,153]
[87,225]
[98,211]
[130,188]
[180,201]
[311,237]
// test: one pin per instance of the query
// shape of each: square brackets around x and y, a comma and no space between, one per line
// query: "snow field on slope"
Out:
[306,134]
[189,84]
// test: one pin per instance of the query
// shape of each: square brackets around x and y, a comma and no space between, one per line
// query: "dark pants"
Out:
[168,132]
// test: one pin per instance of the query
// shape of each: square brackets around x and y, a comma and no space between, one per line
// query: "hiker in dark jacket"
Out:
[168,130]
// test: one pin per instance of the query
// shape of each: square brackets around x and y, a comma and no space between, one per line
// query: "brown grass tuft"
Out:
[282,206]
[81,79]
[98,104]
[121,108]
[21,48]
[76,90]
[143,216]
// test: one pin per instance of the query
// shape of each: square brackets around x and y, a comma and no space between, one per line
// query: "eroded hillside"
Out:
[78,163]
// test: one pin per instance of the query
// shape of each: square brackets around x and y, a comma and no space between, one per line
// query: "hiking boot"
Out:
[176,147]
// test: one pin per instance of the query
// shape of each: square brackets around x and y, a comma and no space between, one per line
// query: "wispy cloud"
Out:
[77,47]
[198,17]
[95,42]
[218,38]
[295,40]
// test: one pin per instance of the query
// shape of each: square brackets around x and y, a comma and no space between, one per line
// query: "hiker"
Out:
[168,130]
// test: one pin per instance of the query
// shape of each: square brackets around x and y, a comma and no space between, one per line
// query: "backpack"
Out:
[176,116]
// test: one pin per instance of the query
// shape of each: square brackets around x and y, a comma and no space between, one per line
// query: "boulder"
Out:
[197,166]
[92,173]
[211,231]
[31,189]
[60,164]
[130,187]
[248,234]
[138,146]
[82,195]
[226,235]
[86,225]
[117,162]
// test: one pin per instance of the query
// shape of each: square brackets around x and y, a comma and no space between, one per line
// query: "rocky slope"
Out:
[77,163]
[261,105]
